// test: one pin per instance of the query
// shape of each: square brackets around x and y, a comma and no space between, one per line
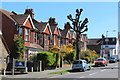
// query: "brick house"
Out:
[20,24]
[44,33]
[73,36]
[4,53]
[55,37]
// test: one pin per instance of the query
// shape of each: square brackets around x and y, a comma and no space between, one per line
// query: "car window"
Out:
[100,60]
[77,62]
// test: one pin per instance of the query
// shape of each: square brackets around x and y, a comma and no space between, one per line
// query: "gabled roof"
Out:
[20,19]
[93,41]
[72,33]
[64,32]
[41,26]
[53,27]
[7,13]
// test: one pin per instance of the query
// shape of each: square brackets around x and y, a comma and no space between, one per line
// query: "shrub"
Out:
[49,59]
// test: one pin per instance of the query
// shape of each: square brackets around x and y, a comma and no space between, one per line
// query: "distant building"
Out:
[107,47]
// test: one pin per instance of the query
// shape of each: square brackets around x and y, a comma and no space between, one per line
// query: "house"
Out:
[109,47]
[84,42]
[55,37]
[94,44]
[104,47]
[14,25]
[44,33]
[4,53]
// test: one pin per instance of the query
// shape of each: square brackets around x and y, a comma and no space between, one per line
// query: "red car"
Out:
[101,62]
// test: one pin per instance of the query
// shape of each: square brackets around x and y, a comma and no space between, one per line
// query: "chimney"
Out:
[67,25]
[52,21]
[29,11]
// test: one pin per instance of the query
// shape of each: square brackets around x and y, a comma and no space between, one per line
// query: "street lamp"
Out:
[79,27]
[107,40]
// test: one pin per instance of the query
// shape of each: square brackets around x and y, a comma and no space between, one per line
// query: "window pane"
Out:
[26,34]
[20,31]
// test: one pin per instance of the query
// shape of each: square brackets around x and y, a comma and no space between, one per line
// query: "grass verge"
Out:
[59,72]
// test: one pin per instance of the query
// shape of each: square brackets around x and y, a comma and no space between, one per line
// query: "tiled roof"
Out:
[53,27]
[7,13]
[93,41]
[64,33]
[112,41]
[40,25]
[20,19]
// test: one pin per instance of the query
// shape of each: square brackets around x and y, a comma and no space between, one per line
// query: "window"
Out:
[20,31]
[54,40]
[50,37]
[46,40]
[35,38]
[41,39]
[113,39]
[26,35]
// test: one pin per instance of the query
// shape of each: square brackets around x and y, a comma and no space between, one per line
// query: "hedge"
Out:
[49,59]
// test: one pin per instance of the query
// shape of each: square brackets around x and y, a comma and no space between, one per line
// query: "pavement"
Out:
[42,74]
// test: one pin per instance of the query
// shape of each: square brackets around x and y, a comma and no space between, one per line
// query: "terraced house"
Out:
[38,35]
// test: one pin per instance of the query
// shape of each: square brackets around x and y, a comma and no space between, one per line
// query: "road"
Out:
[110,71]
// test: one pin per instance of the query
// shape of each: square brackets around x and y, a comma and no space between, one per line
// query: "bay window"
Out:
[26,34]
[20,31]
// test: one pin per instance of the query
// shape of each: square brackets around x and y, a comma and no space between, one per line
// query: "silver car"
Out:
[81,65]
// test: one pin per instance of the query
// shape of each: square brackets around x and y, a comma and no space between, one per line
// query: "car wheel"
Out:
[89,68]
[106,64]
[83,70]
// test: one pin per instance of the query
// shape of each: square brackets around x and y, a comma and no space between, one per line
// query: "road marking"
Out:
[82,76]
[92,73]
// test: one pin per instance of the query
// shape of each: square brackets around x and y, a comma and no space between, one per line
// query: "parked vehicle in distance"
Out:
[112,60]
[101,62]
[81,65]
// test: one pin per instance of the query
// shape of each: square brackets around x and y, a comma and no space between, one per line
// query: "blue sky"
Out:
[102,16]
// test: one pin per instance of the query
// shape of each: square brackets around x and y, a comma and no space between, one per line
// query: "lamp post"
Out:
[79,27]
[107,40]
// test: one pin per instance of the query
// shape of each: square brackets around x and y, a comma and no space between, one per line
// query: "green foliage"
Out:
[71,56]
[89,55]
[50,59]
[18,48]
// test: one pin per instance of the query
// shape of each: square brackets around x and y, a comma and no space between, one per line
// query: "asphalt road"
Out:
[110,71]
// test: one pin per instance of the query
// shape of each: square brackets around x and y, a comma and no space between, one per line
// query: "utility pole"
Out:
[79,27]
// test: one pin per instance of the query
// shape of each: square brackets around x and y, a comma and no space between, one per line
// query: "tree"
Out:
[18,48]
[89,55]
[79,27]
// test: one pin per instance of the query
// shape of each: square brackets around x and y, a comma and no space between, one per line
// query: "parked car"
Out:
[81,65]
[101,62]
[112,60]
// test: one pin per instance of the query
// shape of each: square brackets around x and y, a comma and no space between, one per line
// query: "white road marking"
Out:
[82,76]
[92,73]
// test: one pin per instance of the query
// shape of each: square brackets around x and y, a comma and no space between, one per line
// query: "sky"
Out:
[102,16]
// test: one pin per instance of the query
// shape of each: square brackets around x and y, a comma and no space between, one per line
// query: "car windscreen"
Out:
[100,60]
[77,62]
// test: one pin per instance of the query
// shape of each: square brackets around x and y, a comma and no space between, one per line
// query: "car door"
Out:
[86,64]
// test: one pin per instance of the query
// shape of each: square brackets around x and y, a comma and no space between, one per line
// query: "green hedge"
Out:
[49,59]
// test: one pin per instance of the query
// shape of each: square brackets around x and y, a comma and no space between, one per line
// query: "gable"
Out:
[74,35]
[68,36]
[28,24]
[47,30]
[56,31]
